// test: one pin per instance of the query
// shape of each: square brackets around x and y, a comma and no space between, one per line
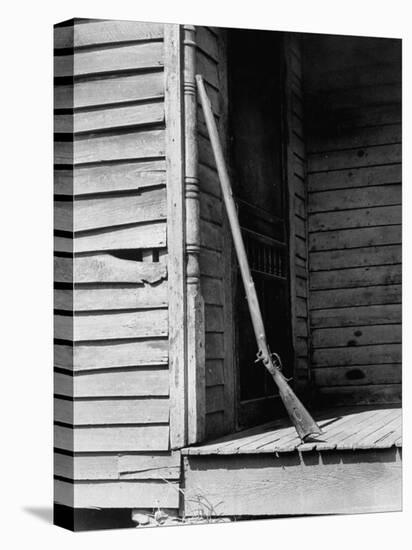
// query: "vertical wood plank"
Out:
[195,305]
[289,171]
[228,255]
[175,234]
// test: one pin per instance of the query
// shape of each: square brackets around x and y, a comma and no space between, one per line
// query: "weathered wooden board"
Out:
[361,395]
[104,268]
[126,176]
[113,411]
[103,91]
[359,257]
[118,438]
[211,208]
[356,336]
[117,494]
[111,298]
[353,238]
[357,355]
[120,383]
[358,374]
[368,115]
[118,466]
[211,235]
[109,326]
[264,485]
[340,199]
[363,217]
[214,318]
[214,345]
[362,74]
[110,118]
[356,316]
[111,354]
[215,399]
[357,277]
[93,33]
[355,177]
[143,55]
[102,211]
[148,235]
[356,137]
[349,297]
[209,181]
[208,68]
[214,372]
[207,42]
[134,145]
[355,157]
[211,263]
[212,290]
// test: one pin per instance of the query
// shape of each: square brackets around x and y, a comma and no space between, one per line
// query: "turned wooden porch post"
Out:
[195,305]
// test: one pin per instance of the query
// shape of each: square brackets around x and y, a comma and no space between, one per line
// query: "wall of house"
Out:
[216,263]
[353,115]
[111,268]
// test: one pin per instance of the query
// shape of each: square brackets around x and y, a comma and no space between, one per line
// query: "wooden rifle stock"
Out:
[302,420]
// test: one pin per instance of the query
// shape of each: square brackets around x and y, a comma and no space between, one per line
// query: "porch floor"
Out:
[345,428]
[354,466]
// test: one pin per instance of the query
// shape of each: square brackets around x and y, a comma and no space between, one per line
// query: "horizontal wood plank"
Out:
[150,235]
[110,118]
[133,176]
[134,145]
[93,33]
[361,395]
[134,383]
[104,268]
[353,158]
[112,298]
[358,374]
[102,211]
[356,257]
[362,217]
[356,277]
[356,316]
[109,354]
[107,439]
[103,326]
[119,57]
[357,355]
[357,336]
[353,238]
[118,466]
[103,91]
[105,411]
[355,177]
[349,297]
[337,199]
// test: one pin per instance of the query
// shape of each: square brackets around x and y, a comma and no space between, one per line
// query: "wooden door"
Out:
[255,123]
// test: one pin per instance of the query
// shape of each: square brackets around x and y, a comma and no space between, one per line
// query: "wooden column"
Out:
[175,235]
[195,325]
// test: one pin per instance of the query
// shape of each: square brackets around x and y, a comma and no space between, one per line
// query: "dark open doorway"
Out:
[255,127]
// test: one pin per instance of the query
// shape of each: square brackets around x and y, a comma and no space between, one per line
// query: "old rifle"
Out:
[302,420]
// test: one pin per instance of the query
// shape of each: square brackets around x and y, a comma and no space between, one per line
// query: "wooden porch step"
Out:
[353,467]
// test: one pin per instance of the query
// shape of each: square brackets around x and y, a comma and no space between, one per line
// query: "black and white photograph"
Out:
[227,273]
[210,278]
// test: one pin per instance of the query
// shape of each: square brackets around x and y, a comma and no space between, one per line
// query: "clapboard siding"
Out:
[112,381]
[298,204]
[215,263]
[354,215]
